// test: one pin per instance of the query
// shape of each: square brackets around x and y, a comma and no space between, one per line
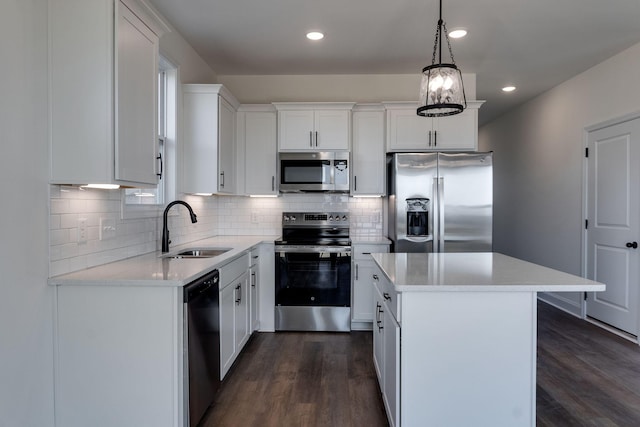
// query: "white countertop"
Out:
[369,239]
[154,270]
[488,271]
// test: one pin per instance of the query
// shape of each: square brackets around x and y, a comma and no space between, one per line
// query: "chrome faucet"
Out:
[165,229]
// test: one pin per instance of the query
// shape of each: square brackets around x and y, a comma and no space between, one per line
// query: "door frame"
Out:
[585,205]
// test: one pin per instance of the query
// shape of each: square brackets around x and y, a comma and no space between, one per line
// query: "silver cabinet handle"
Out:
[356,271]
[355,183]
[375,277]
[386,296]
[429,138]
[316,138]
[273,183]
[310,139]
[222,179]
[435,138]
[253,280]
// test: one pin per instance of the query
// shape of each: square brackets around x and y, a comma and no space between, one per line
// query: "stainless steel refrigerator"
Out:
[440,202]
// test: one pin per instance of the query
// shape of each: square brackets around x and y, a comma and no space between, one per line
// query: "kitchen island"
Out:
[455,336]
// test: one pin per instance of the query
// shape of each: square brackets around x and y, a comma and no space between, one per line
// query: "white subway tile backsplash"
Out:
[218,215]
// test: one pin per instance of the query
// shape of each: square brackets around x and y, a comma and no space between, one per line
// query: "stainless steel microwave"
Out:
[317,171]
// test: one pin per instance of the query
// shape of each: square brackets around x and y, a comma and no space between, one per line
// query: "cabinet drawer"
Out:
[233,270]
[392,298]
[363,252]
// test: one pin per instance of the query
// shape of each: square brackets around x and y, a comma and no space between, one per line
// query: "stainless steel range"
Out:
[313,272]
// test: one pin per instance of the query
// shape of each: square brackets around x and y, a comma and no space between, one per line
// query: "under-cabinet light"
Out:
[102,186]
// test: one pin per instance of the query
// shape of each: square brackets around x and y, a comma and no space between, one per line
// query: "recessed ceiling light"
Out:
[315,35]
[457,33]
[508,88]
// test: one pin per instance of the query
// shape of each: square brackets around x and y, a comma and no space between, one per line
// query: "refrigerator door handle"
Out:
[435,223]
[441,214]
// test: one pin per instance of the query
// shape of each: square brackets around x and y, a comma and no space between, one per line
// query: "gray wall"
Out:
[26,330]
[539,164]
[26,302]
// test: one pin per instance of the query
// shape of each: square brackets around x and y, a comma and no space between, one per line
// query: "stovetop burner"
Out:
[315,228]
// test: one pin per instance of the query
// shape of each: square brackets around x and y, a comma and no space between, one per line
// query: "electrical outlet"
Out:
[82,230]
[107,228]
[254,217]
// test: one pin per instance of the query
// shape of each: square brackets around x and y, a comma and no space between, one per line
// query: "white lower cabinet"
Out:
[386,347]
[254,280]
[362,269]
[234,311]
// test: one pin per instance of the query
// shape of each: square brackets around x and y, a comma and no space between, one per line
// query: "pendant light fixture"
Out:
[441,89]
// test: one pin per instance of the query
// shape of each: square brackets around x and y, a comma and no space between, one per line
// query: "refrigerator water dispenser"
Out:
[417,217]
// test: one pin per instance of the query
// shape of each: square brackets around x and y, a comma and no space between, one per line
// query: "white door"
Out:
[613,232]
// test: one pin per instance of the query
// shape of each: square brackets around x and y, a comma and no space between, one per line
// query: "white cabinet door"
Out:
[209,160]
[332,129]
[368,158]
[391,393]
[136,144]
[459,132]
[296,130]
[254,283]
[227,329]
[103,76]
[241,311]
[406,131]
[378,331]
[314,126]
[362,306]
[226,147]
[363,268]
[259,130]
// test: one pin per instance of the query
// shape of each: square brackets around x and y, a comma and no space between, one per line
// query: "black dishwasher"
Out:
[202,345]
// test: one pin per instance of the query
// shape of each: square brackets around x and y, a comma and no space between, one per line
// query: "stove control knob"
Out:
[330,217]
[286,217]
[344,217]
[292,218]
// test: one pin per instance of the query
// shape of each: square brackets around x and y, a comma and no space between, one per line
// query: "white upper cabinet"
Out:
[368,156]
[406,131]
[209,143]
[257,139]
[314,126]
[103,94]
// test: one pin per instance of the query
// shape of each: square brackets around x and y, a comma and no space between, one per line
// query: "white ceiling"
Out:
[533,44]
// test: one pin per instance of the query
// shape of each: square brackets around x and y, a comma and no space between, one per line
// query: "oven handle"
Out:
[312,249]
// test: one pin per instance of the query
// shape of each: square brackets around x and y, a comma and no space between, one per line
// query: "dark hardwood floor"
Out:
[586,377]
[301,379]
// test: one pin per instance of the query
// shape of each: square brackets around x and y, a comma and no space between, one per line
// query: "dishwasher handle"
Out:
[200,286]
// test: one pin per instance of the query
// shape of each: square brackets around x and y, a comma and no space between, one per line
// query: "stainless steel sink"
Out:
[198,253]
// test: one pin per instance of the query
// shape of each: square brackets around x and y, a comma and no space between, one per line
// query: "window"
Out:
[145,202]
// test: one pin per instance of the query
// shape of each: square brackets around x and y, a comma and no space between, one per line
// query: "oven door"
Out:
[313,276]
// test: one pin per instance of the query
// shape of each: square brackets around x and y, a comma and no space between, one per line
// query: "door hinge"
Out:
[586,224]
[586,152]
